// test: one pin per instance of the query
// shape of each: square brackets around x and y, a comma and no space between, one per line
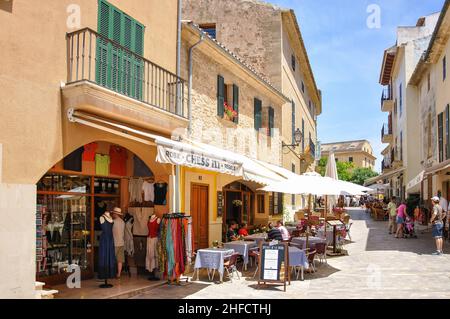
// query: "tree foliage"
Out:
[347,172]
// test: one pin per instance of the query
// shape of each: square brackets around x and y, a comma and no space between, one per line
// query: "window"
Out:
[293,62]
[447,132]
[441,136]
[221,94]
[236,102]
[337,159]
[293,123]
[271,121]
[275,204]
[309,106]
[401,146]
[209,28]
[257,109]
[428,82]
[293,196]
[303,87]
[303,135]
[350,159]
[400,94]
[444,68]
[429,137]
[117,68]
[260,203]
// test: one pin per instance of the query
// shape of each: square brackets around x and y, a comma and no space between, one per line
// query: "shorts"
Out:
[120,254]
[400,220]
[437,230]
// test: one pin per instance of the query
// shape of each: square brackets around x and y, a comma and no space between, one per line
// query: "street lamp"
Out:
[298,137]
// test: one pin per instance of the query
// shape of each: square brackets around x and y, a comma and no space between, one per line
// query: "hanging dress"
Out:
[151,259]
[106,255]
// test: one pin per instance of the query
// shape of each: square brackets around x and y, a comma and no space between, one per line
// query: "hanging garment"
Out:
[106,256]
[102,164]
[140,169]
[141,215]
[135,189]
[149,191]
[160,193]
[170,249]
[151,259]
[89,152]
[73,161]
[129,245]
[118,163]
[140,250]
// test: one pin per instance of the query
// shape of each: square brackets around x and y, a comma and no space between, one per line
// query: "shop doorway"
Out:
[199,212]
[239,204]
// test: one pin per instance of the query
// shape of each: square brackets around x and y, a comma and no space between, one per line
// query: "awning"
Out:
[415,181]
[373,180]
[438,167]
[186,153]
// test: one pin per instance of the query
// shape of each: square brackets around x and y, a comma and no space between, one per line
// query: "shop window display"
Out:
[63,233]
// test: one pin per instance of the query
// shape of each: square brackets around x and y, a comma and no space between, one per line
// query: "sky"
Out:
[346,56]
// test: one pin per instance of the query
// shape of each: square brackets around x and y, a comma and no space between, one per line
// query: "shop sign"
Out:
[181,157]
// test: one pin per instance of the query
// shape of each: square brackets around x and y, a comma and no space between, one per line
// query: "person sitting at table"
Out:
[231,233]
[274,233]
[243,231]
[284,232]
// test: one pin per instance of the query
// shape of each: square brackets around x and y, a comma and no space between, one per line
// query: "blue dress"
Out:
[107,255]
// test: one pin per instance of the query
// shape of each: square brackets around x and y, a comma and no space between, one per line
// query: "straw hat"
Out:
[117,211]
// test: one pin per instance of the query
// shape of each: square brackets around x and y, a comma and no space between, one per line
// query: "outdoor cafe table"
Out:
[242,248]
[212,258]
[257,237]
[297,258]
[301,241]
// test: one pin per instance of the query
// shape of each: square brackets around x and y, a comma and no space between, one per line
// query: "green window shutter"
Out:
[102,50]
[441,136]
[447,131]
[271,121]
[293,122]
[257,111]
[116,54]
[236,102]
[220,95]
[138,63]
[303,135]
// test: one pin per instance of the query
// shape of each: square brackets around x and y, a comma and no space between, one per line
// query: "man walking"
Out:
[436,221]
[392,211]
[444,205]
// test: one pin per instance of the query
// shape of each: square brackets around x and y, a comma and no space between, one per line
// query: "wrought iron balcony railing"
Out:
[95,58]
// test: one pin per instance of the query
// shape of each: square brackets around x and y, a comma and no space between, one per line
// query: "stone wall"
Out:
[248,28]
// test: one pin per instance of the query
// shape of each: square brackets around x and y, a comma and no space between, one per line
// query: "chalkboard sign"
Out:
[219,204]
[274,264]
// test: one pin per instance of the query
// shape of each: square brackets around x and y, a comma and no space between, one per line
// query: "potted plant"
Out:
[229,111]
[237,203]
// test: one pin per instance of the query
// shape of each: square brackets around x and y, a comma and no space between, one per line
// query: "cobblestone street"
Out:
[378,266]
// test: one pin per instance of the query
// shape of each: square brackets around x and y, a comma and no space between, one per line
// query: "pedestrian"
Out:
[119,238]
[401,218]
[444,205]
[274,233]
[392,211]
[438,225]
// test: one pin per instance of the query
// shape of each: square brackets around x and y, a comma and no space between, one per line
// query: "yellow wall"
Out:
[34,65]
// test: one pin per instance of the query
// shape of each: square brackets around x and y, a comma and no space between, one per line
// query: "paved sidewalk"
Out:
[378,266]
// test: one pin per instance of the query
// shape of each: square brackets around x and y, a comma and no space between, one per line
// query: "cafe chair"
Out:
[230,265]
[311,254]
[255,254]
[321,252]
[347,230]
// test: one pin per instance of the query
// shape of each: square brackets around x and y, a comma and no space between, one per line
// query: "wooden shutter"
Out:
[271,121]
[441,136]
[257,114]
[116,52]
[102,51]
[447,131]
[293,122]
[220,95]
[138,62]
[236,102]
[280,203]
[303,135]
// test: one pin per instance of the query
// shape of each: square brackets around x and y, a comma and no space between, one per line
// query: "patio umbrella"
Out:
[331,172]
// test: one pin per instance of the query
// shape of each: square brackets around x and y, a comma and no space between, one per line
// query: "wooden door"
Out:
[199,212]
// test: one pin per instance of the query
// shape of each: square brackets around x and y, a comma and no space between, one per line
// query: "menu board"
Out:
[274,263]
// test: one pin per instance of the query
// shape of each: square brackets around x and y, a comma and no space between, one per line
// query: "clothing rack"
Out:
[175,216]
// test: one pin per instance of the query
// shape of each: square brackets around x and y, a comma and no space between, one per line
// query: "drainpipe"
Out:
[191,49]
[177,188]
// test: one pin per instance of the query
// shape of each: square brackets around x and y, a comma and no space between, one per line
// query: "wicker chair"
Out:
[230,265]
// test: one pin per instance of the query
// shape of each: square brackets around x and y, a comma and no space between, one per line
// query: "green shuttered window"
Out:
[271,121]
[257,114]
[220,95]
[236,102]
[117,68]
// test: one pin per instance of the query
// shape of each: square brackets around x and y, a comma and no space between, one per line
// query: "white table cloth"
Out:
[212,258]
[257,237]
[301,241]
[242,248]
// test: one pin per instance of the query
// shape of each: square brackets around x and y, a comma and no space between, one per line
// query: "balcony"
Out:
[386,134]
[387,101]
[386,165]
[107,79]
